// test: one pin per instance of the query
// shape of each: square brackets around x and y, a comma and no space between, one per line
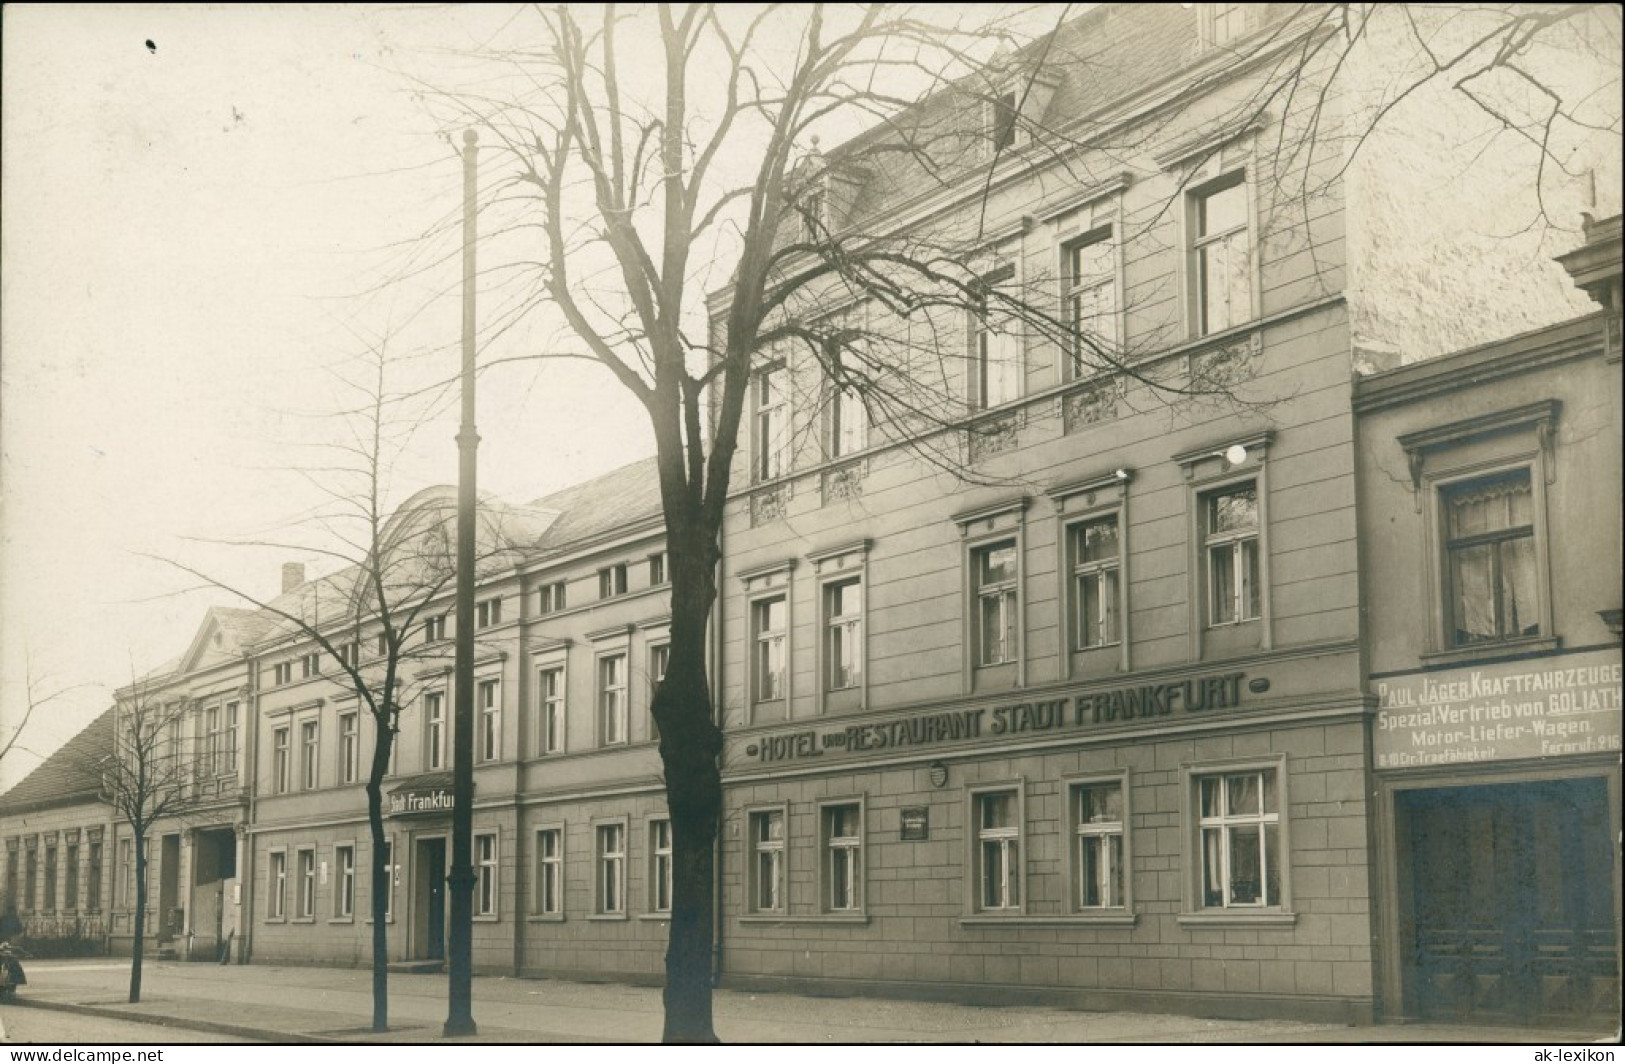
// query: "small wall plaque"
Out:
[916,824]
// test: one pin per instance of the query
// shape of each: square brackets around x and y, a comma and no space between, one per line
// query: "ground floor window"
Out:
[660,866]
[1098,817]
[485,860]
[997,820]
[611,869]
[307,885]
[1240,825]
[767,862]
[843,857]
[550,872]
[276,886]
[344,881]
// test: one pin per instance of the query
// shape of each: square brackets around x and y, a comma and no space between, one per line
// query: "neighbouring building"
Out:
[1489,506]
[58,842]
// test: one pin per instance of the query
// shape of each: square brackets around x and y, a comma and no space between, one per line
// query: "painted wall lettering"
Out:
[1500,712]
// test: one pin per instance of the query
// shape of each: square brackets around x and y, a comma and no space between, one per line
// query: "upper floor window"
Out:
[1490,559]
[349,746]
[612,581]
[769,619]
[657,569]
[843,621]
[310,665]
[349,654]
[995,570]
[1096,560]
[552,597]
[848,421]
[612,699]
[1221,250]
[489,700]
[550,719]
[1230,540]
[434,730]
[488,613]
[995,355]
[282,673]
[1091,298]
[281,759]
[434,629]
[309,738]
[771,442]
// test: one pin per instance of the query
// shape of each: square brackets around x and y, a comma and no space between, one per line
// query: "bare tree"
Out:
[148,779]
[654,156]
[394,565]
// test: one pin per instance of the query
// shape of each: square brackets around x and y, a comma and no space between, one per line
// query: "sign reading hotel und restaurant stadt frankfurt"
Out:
[1554,707]
[1120,705]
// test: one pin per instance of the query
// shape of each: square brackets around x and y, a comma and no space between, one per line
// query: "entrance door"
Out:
[1510,902]
[430,941]
[170,914]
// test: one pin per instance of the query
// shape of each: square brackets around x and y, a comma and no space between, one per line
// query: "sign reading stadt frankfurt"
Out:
[1554,707]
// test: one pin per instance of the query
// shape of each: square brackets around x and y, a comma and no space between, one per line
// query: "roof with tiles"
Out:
[1095,61]
[67,776]
[620,499]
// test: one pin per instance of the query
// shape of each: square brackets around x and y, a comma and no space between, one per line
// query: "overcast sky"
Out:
[198,207]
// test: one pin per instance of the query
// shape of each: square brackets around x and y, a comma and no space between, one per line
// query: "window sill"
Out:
[486,918]
[1123,919]
[545,918]
[1237,918]
[609,917]
[1507,648]
[855,920]
[341,920]
[304,919]
[664,918]
[276,919]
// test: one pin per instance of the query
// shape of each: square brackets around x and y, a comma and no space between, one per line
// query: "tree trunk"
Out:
[138,947]
[689,746]
[382,877]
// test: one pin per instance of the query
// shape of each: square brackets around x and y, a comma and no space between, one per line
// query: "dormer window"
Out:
[1220,24]
[1004,124]
[814,226]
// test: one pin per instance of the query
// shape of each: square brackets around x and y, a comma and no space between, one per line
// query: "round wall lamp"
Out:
[939,774]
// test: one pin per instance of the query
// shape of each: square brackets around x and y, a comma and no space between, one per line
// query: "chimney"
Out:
[293,575]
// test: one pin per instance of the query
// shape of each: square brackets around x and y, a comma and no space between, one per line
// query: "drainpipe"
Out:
[717,913]
[249,771]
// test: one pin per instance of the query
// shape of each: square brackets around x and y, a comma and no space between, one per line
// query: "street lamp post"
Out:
[459,1015]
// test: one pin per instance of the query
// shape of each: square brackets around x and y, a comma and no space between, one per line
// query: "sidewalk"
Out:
[328,1005]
